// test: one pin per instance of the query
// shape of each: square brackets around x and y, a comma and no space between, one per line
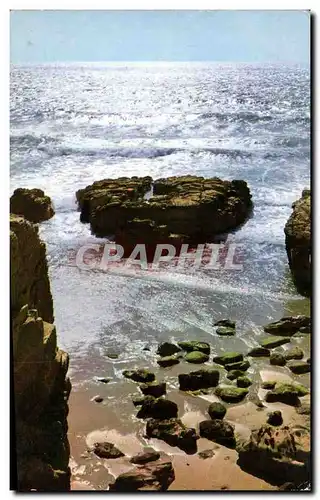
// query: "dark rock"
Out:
[275,418]
[168,361]
[244,382]
[294,353]
[305,329]
[143,399]
[156,477]
[257,352]
[97,399]
[219,431]
[234,374]
[240,365]
[277,359]
[173,432]
[107,450]
[225,331]
[140,375]
[145,457]
[167,349]
[104,380]
[309,361]
[217,411]
[271,342]
[270,384]
[227,358]
[196,357]
[32,204]
[155,389]
[226,322]
[286,393]
[298,243]
[231,394]
[299,367]
[206,454]
[200,379]
[288,325]
[194,345]
[158,408]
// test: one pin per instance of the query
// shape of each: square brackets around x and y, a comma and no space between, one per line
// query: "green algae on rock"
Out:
[288,325]
[217,410]
[154,388]
[139,375]
[286,393]
[271,342]
[168,361]
[167,349]
[194,345]
[173,432]
[258,352]
[196,357]
[225,331]
[277,359]
[244,381]
[219,431]
[200,379]
[299,367]
[228,357]
[32,204]
[231,394]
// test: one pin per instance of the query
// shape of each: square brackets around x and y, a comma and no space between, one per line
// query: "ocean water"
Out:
[72,124]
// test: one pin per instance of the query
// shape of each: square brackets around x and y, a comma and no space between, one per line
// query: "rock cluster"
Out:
[298,242]
[32,204]
[41,388]
[180,209]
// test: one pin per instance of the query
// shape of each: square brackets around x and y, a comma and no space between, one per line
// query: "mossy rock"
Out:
[167,349]
[286,393]
[142,400]
[225,331]
[231,394]
[217,411]
[168,361]
[140,375]
[196,357]
[277,359]
[240,365]
[259,352]
[271,342]
[228,357]
[268,384]
[158,408]
[155,389]
[233,374]
[200,379]
[194,345]
[244,382]
[294,353]
[299,367]
[226,322]
[218,431]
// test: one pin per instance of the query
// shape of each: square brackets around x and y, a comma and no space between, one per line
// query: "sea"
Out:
[75,123]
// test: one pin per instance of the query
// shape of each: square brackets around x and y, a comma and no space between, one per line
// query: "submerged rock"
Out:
[271,342]
[167,349]
[287,325]
[277,359]
[194,345]
[196,357]
[32,204]
[299,367]
[173,432]
[239,365]
[298,243]
[168,361]
[286,393]
[225,331]
[200,379]
[217,411]
[140,375]
[155,389]
[107,450]
[155,476]
[274,455]
[158,408]
[144,457]
[231,394]
[226,322]
[143,399]
[234,374]
[228,357]
[219,431]
[257,352]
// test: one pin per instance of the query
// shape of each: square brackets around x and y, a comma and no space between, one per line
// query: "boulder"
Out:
[32,204]
[167,349]
[269,384]
[244,382]
[258,352]
[107,450]
[226,322]
[277,359]
[155,389]
[161,409]
[194,345]
[239,365]
[271,342]
[144,457]
[225,331]
[142,399]
[234,374]
[200,379]
[140,375]
[206,454]
[173,432]
[298,243]
[231,394]
[217,411]
[288,325]
[286,393]
[227,358]
[275,418]
[155,476]
[299,367]
[274,455]
[219,431]
[168,361]
[294,353]
[196,357]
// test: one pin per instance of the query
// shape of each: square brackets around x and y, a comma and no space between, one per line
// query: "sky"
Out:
[237,36]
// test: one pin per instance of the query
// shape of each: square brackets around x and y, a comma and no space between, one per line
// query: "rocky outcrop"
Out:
[41,389]
[173,432]
[298,242]
[155,476]
[32,204]
[185,209]
[276,455]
